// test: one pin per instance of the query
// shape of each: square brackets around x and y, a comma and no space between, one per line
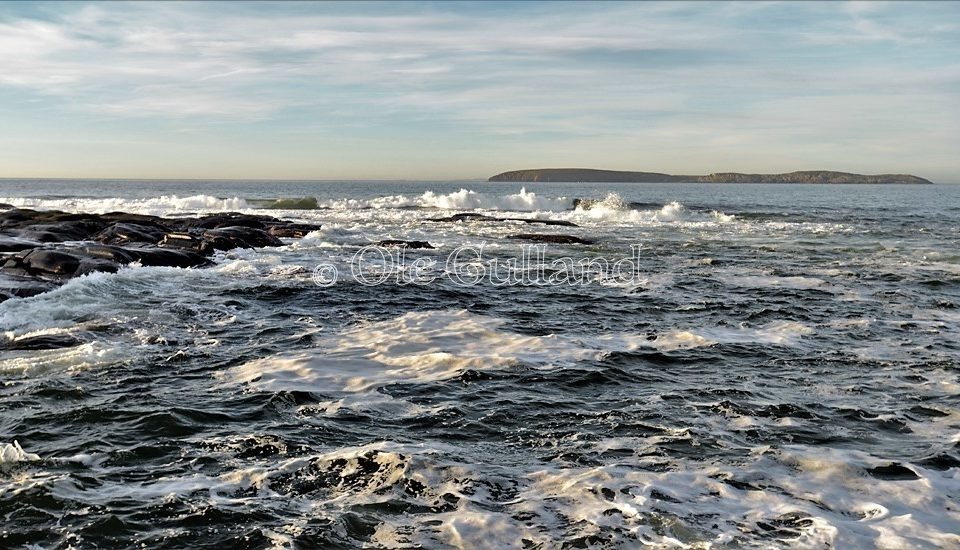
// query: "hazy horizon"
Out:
[381,180]
[463,91]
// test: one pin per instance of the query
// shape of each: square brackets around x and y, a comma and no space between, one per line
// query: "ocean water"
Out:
[779,369]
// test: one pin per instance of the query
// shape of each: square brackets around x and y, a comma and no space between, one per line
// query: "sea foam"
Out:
[162,205]
[438,345]
[13,452]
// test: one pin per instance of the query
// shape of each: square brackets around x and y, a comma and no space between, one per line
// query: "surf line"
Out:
[467,266]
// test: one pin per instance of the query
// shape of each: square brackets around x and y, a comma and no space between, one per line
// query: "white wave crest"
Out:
[524,201]
[613,208]
[464,199]
[14,453]
[162,205]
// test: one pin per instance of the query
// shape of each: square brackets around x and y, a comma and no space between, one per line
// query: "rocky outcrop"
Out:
[41,249]
[616,176]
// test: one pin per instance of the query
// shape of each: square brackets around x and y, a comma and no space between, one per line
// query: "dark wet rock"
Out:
[553,239]
[16,244]
[389,243]
[893,472]
[228,238]
[107,252]
[657,495]
[94,265]
[123,233]
[42,342]
[183,241]
[165,257]
[42,236]
[941,461]
[474,217]
[77,230]
[49,261]
[229,219]
[465,217]
[139,219]
[6,206]
[17,286]
[17,217]
[560,223]
[53,225]
[292,230]
[32,249]
[14,217]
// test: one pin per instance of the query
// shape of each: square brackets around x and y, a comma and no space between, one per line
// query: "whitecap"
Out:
[166,204]
[13,452]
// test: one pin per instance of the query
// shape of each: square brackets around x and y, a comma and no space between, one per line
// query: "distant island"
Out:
[825,177]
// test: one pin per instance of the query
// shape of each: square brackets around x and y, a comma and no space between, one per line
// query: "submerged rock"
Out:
[163,257]
[554,239]
[470,216]
[292,230]
[41,342]
[386,243]
[465,217]
[893,472]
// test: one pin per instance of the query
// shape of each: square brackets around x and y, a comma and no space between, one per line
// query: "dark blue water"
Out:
[780,370]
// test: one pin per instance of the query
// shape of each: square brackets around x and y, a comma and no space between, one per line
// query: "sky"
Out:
[411,90]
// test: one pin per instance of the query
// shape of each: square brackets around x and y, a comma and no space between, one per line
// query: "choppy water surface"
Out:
[784,371]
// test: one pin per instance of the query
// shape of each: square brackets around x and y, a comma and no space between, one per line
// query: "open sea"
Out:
[779,369]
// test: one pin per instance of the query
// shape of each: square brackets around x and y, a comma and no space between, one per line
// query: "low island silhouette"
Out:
[589,175]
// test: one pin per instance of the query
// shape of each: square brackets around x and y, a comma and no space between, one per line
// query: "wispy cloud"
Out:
[96,50]
[723,77]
